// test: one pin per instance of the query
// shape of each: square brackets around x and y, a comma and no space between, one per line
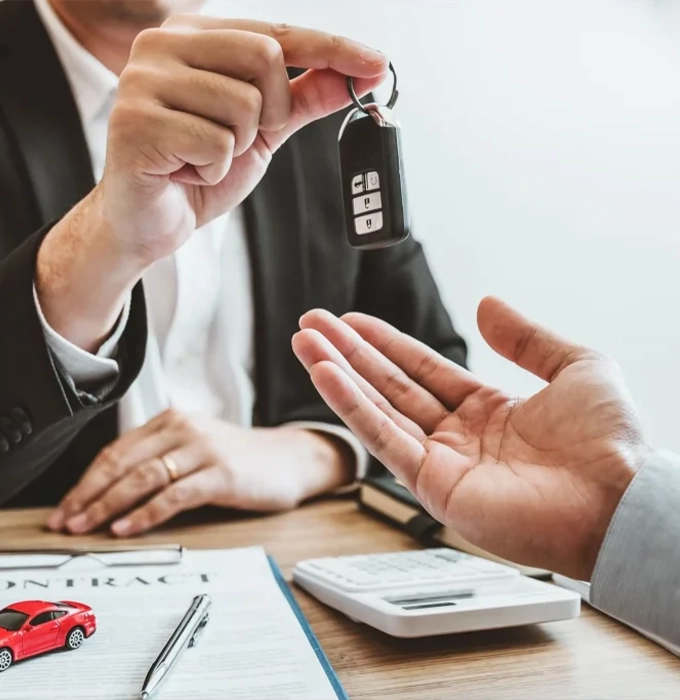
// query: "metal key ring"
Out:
[355,99]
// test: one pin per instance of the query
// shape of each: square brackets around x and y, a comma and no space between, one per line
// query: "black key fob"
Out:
[373,183]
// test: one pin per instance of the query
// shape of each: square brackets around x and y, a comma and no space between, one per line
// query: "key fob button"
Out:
[359,184]
[365,182]
[367,202]
[369,223]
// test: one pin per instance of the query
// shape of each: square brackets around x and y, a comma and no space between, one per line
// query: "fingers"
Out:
[228,102]
[161,142]
[255,53]
[527,344]
[112,463]
[315,95]
[196,93]
[140,482]
[400,452]
[387,378]
[254,60]
[419,382]
[301,47]
[446,380]
[188,493]
[312,348]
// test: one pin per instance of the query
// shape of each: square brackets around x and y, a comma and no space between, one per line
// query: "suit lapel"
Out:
[280,289]
[40,111]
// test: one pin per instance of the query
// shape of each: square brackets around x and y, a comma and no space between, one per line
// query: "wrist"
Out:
[325,462]
[83,277]
[620,472]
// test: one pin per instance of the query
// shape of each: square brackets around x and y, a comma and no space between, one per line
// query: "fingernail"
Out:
[369,55]
[56,520]
[79,523]
[121,527]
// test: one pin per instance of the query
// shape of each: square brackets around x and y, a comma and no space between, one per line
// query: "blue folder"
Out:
[323,659]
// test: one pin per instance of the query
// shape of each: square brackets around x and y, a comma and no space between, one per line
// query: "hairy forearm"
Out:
[83,277]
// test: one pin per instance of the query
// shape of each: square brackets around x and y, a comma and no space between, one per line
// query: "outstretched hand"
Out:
[533,480]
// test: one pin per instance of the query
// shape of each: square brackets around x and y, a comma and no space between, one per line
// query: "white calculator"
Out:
[433,591]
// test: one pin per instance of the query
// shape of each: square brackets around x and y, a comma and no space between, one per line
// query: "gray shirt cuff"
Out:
[637,573]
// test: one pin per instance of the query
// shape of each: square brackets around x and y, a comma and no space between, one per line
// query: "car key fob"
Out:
[372,172]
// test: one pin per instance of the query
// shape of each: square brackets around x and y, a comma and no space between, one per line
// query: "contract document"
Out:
[256,645]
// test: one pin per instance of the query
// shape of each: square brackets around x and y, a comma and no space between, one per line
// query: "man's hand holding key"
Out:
[202,106]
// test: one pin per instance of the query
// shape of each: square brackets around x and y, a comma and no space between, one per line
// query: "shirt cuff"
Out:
[361,455]
[636,577]
[82,367]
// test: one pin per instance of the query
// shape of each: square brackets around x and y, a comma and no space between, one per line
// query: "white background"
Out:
[543,146]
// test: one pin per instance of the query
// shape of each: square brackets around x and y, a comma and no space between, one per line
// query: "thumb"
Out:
[315,95]
[527,344]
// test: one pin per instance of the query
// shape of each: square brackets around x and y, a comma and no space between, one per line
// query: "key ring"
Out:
[355,99]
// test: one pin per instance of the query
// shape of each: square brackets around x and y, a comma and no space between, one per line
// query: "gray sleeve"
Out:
[637,573]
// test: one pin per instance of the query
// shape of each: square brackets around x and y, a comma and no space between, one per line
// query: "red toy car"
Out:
[34,627]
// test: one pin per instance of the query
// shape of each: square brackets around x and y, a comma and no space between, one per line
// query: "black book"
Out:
[386,497]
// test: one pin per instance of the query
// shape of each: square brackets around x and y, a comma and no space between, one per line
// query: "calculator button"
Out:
[368,224]
[406,570]
[367,202]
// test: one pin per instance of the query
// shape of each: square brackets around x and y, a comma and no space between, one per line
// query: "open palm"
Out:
[513,476]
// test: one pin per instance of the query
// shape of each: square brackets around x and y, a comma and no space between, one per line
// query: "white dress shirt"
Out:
[200,355]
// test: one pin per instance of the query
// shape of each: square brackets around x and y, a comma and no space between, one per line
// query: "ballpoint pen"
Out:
[107,555]
[185,635]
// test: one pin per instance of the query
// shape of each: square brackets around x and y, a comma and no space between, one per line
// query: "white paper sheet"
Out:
[253,647]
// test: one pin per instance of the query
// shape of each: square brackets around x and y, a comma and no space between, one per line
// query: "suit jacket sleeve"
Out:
[40,410]
[637,574]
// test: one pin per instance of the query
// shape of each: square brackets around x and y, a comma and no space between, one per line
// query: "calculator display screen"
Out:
[428,600]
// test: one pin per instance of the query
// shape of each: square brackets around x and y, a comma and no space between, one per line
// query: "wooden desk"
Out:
[592,657]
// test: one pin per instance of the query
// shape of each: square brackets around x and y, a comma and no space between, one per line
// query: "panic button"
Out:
[368,224]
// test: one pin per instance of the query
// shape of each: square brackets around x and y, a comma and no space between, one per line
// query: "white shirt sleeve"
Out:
[361,455]
[83,367]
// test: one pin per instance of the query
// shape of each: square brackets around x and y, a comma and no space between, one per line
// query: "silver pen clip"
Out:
[199,630]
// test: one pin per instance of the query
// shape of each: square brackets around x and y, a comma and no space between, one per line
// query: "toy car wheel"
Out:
[75,638]
[6,659]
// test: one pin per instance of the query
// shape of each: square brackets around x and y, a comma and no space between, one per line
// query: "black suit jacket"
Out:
[299,254]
